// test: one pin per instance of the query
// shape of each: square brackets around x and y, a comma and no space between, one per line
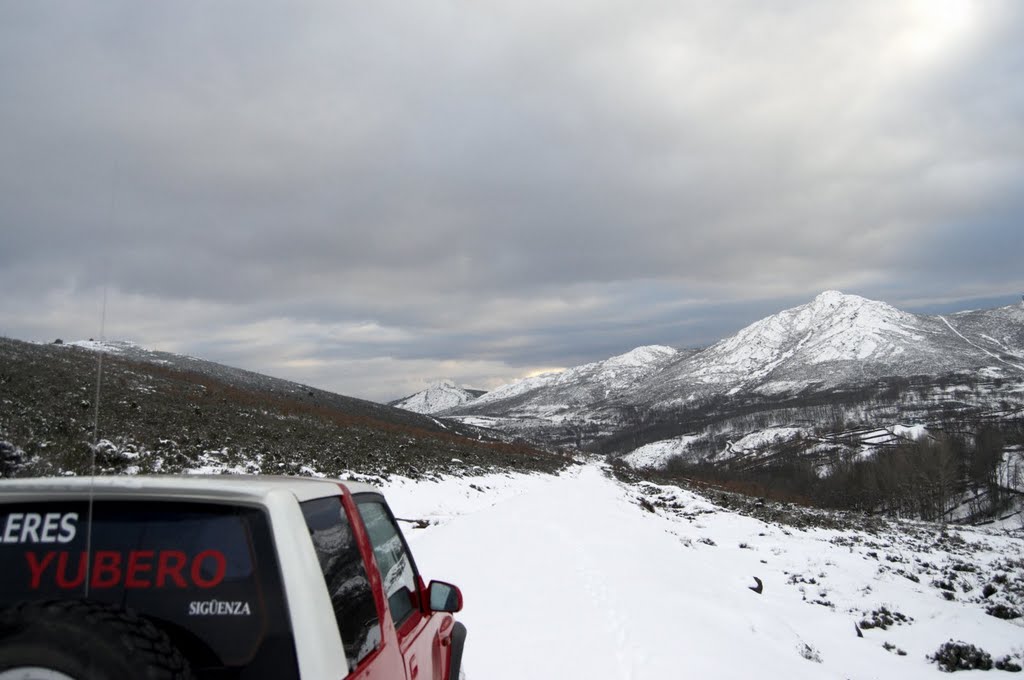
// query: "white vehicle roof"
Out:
[241,488]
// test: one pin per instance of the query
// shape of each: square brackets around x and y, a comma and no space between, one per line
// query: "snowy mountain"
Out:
[584,384]
[842,339]
[561,399]
[835,343]
[833,328]
[440,396]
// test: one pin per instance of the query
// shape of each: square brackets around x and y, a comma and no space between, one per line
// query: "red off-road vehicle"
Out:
[287,578]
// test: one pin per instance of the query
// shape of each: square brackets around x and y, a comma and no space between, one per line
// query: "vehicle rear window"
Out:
[205,573]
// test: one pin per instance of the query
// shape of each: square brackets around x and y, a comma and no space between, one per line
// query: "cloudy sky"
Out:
[368,196]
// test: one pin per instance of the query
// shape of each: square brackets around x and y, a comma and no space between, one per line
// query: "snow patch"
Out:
[657,454]
[914,432]
[765,437]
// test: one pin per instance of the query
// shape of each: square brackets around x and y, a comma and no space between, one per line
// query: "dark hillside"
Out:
[188,414]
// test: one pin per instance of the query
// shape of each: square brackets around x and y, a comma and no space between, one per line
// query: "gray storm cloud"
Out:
[369,196]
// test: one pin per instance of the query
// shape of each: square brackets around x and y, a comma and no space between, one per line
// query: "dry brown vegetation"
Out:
[160,418]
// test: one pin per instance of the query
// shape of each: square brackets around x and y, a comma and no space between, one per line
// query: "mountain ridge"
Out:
[835,341]
[166,413]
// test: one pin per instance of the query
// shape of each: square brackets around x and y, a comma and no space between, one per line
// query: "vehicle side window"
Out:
[396,567]
[345,574]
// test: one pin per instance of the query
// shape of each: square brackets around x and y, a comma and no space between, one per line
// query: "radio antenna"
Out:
[99,381]
[96,401]
[95,441]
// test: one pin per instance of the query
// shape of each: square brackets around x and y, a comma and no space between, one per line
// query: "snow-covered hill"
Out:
[652,582]
[584,384]
[836,341]
[440,396]
[557,397]
[840,339]
[832,328]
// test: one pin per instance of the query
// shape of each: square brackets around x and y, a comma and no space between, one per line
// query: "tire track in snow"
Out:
[540,574]
[573,579]
[597,587]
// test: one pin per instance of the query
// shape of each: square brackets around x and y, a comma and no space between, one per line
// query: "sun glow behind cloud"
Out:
[544,371]
[939,29]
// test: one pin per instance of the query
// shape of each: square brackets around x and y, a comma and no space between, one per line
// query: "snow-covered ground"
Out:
[765,441]
[571,577]
[657,454]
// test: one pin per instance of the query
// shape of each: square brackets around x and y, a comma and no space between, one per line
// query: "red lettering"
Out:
[36,567]
[62,571]
[106,569]
[136,569]
[136,565]
[169,565]
[220,568]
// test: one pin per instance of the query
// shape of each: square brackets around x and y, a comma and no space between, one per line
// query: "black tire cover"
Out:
[87,641]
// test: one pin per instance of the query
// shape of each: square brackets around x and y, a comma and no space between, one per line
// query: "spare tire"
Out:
[83,640]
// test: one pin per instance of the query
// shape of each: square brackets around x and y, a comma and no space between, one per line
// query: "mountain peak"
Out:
[833,327]
[831,297]
[441,395]
[641,356]
[857,314]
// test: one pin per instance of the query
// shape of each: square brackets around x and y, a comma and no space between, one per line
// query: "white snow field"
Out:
[569,577]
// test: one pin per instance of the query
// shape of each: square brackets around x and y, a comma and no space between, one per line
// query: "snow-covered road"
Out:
[568,577]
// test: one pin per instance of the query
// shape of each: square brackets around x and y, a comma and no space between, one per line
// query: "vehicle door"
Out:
[424,637]
[370,645]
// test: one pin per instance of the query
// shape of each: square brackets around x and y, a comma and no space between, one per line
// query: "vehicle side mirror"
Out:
[444,597]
